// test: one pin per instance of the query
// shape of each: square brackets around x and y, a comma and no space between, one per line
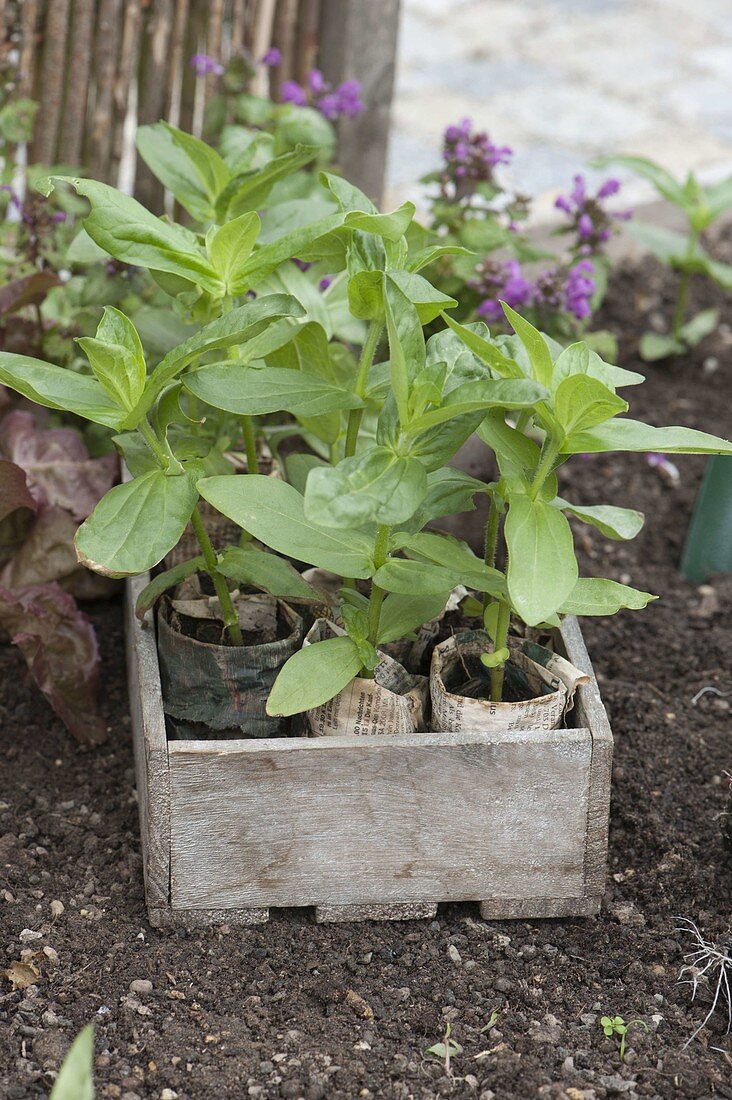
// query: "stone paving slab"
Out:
[562,81]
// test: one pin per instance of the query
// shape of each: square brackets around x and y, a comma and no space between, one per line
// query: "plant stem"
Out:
[491,541]
[683,291]
[549,452]
[376,599]
[501,642]
[154,443]
[231,619]
[364,366]
[250,445]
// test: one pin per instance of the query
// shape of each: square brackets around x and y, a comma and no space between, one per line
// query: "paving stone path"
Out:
[562,81]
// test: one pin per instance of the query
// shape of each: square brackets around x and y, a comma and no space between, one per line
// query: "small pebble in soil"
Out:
[141,986]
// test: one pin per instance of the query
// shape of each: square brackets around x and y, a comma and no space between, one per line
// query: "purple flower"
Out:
[59,216]
[587,214]
[578,290]
[501,281]
[316,82]
[271,57]
[325,282]
[661,463]
[292,92]
[470,156]
[205,65]
[329,106]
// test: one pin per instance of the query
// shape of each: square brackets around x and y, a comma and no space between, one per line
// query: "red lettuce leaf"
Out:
[60,649]
[14,491]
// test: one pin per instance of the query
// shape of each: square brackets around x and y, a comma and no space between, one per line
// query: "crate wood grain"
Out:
[369,828]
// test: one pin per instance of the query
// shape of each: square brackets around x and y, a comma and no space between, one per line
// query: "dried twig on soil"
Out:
[711,964]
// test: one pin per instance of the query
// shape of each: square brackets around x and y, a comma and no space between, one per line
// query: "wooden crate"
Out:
[369,828]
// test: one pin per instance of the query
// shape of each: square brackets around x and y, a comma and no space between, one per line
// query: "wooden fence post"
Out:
[358,41]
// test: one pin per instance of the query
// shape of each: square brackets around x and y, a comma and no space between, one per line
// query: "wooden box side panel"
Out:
[151,747]
[349,821]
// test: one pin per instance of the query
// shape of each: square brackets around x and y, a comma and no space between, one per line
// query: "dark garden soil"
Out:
[292,1009]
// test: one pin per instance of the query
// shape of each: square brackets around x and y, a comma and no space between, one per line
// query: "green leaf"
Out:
[366,295]
[248,191]
[122,376]
[517,455]
[542,568]
[615,523]
[58,388]
[487,352]
[273,512]
[314,675]
[449,492]
[700,326]
[390,226]
[654,346]
[191,169]
[580,359]
[263,261]
[721,273]
[719,197]
[662,180]
[400,615]
[75,1081]
[248,565]
[126,230]
[667,244]
[250,391]
[135,525]
[231,245]
[593,596]
[582,402]
[427,299]
[535,344]
[298,466]
[632,435]
[428,255]
[416,578]
[226,331]
[450,553]
[346,194]
[406,344]
[505,393]
[376,486]
[161,582]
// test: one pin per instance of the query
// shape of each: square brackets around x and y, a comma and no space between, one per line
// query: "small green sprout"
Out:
[616,1025]
[446,1050]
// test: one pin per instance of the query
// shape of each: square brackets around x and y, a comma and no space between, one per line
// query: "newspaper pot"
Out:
[370,827]
[216,690]
[542,683]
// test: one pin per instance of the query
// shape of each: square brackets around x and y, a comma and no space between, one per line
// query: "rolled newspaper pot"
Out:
[392,703]
[211,689]
[542,684]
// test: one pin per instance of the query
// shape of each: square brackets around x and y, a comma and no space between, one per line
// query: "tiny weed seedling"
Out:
[445,1050]
[74,1081]
[707,962]
[616,1025]
[682,252]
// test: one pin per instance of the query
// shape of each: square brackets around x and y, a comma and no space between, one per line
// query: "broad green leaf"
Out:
[580,359]
[288,279]
[75,1080]
[121,374]
[593,596]
[436,446]
[169,578]
[406,344]
[700,326]
[400,615]
[135,525]
[314,675]
[416,578]
[426,299]
[126,230]
[272,512]
[232,244]
[721,273]
[58,388]
[487,352]
[517,455]
[505,393]
[449,492]
[263,261]
[366,295]
[615,523]
[376,487]
[655,346]
[251,391]
[297,468]
[248,565]
[667,244]
[249,190]
[347,196]
[535,344]
[542,568]
[582,402]
[115,328]
[226,331]
[188,167]
[456,556]
[433,252]
[632,435]
[662,180]
[719,197]
[390,226]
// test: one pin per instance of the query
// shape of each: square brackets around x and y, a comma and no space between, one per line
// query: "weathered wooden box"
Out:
[369,828]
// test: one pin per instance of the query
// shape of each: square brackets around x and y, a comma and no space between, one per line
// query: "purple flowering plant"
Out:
[684,252]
